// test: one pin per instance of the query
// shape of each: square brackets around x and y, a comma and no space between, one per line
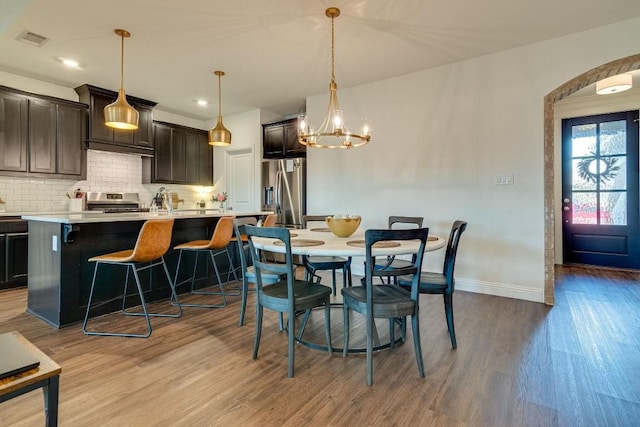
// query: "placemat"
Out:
[301,242]
[321,230]
[361,244]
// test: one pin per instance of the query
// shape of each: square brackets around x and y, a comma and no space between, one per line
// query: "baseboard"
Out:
[501,290]
[488,288]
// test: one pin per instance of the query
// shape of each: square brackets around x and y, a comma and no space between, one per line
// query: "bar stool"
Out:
[218,245]
[153,242]
[270,220]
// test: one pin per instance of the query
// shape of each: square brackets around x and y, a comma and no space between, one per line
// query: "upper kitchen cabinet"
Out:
[50,130]
[122,141]
[182,155]
[280,140]
[13,131]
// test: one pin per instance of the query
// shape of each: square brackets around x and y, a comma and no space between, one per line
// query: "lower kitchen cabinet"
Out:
[14,249]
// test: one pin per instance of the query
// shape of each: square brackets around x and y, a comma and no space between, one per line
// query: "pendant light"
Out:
[219,135]
[333,132]
[120,114]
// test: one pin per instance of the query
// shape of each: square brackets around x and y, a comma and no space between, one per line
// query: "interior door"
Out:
[240,180]
[600,190]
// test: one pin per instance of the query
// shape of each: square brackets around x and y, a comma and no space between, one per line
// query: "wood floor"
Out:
[518,363]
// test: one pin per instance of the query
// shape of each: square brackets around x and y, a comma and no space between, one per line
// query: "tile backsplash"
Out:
[105,172]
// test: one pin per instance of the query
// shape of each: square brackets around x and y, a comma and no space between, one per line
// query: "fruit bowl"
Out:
[343,225]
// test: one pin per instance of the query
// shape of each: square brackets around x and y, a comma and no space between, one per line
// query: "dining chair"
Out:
[386,300]
[152,244]
[403,222]
[217,245]
[316,263]
[442,283]
[248,271]
[286,296]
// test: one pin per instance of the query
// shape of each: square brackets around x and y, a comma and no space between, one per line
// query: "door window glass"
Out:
[599,177]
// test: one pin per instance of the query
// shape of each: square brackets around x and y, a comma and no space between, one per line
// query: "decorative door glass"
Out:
[599,177]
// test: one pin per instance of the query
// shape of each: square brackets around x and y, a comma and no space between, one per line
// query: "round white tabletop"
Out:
[321,242]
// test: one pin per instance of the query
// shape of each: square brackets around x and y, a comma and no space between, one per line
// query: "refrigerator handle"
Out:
[278,191]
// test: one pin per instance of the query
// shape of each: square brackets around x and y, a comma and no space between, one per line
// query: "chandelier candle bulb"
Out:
[337,121]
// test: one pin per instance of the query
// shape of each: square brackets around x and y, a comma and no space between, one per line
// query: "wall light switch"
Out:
[506,179]
[54,243]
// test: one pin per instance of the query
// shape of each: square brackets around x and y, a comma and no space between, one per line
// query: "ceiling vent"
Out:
[32,38]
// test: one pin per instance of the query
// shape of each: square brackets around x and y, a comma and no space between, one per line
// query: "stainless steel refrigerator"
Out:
[284,190]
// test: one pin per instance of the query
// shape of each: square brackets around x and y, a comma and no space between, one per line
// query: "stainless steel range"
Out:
[114,202]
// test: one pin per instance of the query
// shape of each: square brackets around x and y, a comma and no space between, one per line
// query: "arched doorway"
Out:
[612,68]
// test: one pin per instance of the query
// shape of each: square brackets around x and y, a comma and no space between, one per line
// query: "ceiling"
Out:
[275,52]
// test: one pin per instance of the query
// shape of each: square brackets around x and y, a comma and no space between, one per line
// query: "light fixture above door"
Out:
[120,114]
[333,132]
[219,135]
[614,84]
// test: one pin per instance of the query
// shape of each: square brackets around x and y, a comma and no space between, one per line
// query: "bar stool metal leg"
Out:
[193,279]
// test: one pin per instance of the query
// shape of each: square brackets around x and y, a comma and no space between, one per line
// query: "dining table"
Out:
[320,241]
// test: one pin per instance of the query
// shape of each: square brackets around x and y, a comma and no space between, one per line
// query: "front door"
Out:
[600,190]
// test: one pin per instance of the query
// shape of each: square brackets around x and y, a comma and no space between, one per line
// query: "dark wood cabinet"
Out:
[280,140]
[144,134]
[205,158]
[13,131]
[162,158]
[56,133]
[14,238]
[182,155]
[50,130]
[17,250]
[178,155]
[102,137]
[71,131]
[42,136]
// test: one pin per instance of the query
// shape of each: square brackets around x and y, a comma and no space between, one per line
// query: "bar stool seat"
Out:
[153,242]
[217,245]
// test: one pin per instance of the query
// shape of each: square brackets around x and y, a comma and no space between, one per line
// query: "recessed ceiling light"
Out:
[202,102]
[71,63]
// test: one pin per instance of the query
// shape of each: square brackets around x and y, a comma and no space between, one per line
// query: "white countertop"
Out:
[97,216]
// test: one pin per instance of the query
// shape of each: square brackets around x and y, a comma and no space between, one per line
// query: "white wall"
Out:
[439,139]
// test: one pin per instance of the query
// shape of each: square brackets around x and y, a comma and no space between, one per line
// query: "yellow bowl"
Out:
[343,227]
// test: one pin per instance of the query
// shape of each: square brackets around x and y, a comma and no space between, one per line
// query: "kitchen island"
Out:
[59,277]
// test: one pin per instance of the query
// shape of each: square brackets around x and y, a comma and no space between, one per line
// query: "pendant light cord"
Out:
[121,61]
[333,53]
[219,98]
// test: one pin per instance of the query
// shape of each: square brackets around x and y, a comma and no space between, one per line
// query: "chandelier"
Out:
[120,114]
[332,133]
